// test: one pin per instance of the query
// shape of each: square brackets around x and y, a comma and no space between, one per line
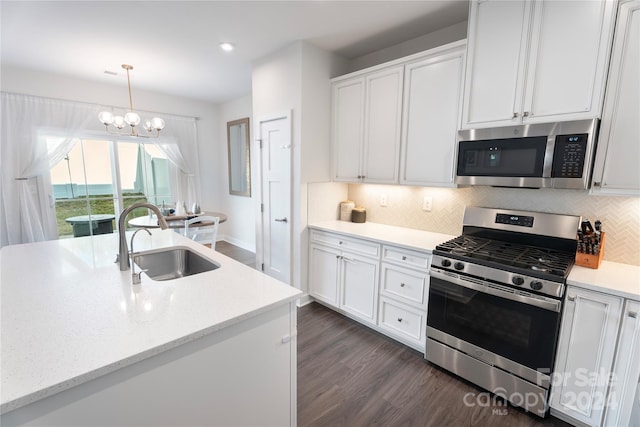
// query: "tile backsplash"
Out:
[620,216]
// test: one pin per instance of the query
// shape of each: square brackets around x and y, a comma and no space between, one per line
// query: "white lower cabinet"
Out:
[324,264]
[404,288]
[403,322]
[385,289]
[344,278]
[598,360]
[623,401]
[359,286]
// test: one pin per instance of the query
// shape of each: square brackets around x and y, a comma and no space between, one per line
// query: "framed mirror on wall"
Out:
[239,157]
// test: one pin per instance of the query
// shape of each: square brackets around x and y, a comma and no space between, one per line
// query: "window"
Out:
[100,177]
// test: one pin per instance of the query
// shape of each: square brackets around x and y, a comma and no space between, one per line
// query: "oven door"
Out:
[494,324]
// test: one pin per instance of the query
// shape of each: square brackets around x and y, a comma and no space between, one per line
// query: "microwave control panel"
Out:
[569,156]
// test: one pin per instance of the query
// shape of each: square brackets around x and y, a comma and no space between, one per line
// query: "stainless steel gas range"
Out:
[495,301]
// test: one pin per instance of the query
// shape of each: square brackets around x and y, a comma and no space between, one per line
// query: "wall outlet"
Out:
[383,200]
[426,203]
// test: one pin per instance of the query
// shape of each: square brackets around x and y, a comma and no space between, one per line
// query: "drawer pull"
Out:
[402,285]
[632,314]
[340,242]
[404,258]
[399,319]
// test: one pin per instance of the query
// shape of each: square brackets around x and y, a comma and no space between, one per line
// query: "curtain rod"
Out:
[93,104]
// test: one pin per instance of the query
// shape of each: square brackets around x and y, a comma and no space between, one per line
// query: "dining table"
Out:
[173,221]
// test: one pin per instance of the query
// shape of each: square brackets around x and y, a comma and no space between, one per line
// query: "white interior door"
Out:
[275,136]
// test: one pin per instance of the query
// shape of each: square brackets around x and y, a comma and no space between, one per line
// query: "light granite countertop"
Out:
[613,278]
[399,236]
[69,315]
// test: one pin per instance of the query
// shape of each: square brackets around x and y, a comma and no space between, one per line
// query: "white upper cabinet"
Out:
[616,168]
[431,112]
[536,61]
[348,128]
[366,126]
[496,45]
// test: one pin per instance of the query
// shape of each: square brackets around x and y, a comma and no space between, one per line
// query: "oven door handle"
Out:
[551,305]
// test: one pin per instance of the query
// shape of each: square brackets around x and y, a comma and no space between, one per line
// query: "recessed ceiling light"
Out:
[227,47]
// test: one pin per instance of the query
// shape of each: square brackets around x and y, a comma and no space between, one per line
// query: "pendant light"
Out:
[131,119]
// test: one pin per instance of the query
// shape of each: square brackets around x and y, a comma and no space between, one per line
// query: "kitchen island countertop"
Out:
[69,315]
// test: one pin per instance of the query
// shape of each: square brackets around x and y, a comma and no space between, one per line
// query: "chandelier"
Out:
[131,119]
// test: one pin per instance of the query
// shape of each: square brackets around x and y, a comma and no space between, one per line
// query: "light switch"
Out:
[426,203]
[383,200]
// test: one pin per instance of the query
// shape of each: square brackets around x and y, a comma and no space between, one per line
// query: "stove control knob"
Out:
[458,266]
[445,263]
[535,285]
[517,281]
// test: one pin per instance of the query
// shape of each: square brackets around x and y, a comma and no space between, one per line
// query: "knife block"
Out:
[591,261]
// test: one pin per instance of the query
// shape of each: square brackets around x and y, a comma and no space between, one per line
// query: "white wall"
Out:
[239,228]
[419,44]
[318,66]
[296,79]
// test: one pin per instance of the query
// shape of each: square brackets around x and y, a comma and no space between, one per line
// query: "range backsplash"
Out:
[620,216]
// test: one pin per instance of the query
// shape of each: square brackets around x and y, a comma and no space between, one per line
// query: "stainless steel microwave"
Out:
[545,155]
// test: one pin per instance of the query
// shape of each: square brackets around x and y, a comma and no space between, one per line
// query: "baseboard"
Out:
[236,242]
[304,300]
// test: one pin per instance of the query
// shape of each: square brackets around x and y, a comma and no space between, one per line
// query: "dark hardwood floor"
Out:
[232,251]
[349,375]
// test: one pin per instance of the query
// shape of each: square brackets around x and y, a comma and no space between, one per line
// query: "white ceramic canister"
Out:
[345,210]
[180,210]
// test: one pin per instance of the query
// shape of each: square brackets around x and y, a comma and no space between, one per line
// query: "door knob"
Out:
[282,219]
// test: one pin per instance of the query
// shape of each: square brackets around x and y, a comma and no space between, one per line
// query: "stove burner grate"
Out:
[547,261]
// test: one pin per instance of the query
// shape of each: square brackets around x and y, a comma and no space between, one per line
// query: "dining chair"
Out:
[205,234]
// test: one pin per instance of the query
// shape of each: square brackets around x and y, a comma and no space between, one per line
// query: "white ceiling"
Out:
[173,45]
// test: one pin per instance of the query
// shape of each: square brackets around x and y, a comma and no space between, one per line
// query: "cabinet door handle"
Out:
[402,285]
[281,219]
[399,319]
[571,298]
[348,259]
[596,184]
[525,114]
[515,115]
[404,258]
[632,314]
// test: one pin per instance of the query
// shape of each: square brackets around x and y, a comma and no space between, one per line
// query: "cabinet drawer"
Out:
[354,245]
[402,320]
[409,285]
[406,257]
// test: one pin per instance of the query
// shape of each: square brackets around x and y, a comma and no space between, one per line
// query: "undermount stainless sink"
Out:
[172,263]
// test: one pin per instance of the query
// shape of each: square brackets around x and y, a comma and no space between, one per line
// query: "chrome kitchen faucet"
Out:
[123,255]
[135,278]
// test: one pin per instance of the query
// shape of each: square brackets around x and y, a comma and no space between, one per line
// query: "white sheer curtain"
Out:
[179,142]
[25,158]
